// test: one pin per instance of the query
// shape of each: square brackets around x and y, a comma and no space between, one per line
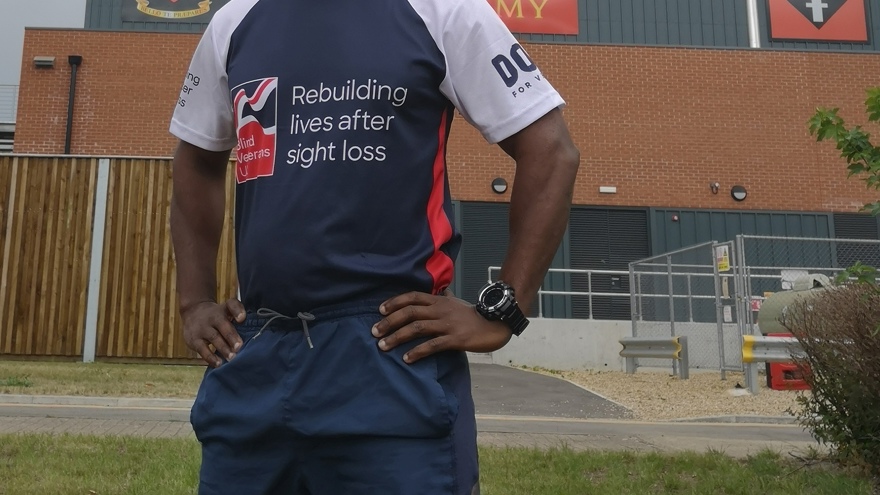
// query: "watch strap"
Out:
[517,321]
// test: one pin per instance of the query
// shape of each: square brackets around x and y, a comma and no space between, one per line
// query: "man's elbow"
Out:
[571,157]
[567,159]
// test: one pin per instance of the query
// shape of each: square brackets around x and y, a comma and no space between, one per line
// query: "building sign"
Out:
[722,258]
[538,16]
[818,20]
[170,10]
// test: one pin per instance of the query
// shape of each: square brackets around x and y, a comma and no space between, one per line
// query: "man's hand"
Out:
[449,323]
[207,323]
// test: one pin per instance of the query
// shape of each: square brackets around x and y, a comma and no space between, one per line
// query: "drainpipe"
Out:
[754,25]
[74,61]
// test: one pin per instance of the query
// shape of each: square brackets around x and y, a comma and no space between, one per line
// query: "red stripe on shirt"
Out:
[439,264]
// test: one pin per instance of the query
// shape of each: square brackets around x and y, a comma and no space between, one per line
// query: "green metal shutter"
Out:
[605,239]
[484,227]
[853,226]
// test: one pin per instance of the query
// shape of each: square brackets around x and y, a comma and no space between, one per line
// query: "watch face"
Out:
[493,296]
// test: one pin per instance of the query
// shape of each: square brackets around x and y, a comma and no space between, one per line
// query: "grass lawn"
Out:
[43,464]
[100,379]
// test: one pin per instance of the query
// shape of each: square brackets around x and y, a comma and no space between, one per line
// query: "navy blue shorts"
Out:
[344,418]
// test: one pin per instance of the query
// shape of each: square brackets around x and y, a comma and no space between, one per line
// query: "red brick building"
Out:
[660,113]
[659,124]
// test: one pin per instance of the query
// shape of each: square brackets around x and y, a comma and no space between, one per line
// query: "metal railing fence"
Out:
[770,264]
[712,292]
[589,295]
[684,293]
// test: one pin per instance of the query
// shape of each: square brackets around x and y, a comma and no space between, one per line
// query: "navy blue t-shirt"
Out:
[340,111]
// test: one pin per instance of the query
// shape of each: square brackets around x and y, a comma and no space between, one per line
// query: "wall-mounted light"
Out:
[499,185]
[714,187]
[44,62]
[738,193]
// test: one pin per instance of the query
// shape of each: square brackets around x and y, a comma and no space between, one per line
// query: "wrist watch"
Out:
[497,302]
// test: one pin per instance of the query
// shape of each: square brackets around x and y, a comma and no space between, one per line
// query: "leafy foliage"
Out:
[861,155]
[860,273]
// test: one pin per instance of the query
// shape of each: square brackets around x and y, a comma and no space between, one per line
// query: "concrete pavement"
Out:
[515,431]
[506,391]
[514,408]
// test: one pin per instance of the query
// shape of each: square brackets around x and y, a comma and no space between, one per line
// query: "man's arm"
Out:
[546,168]
[197,209]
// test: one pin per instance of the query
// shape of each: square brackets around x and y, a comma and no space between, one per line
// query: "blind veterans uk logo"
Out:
[818,20]
[170,10]
[256,116]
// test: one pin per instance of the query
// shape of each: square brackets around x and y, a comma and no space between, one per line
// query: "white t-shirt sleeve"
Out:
[490,78]
[204,116]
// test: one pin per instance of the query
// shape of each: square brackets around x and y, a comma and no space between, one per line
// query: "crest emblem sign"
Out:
[199,11]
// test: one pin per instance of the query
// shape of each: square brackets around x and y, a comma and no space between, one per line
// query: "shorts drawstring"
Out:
[274,315]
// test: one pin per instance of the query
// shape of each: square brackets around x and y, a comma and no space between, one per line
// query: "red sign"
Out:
[538,16]
[818,20]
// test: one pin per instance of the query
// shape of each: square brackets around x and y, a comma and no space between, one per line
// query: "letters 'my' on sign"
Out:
[538,16]
[818,20]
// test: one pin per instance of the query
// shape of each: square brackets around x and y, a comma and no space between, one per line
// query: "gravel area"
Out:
[656,396]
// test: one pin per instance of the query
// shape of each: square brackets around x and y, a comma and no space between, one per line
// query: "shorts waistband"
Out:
[369,306]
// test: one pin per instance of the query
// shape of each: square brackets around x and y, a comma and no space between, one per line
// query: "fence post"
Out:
[671,303]
[630,365]
[690,300]
[90,340]
[590,294]
[740,285]
[633,306]
[752,378]
[748,301]
[719,318]
[540,303]
[685,361]
[639,296]
[634,310]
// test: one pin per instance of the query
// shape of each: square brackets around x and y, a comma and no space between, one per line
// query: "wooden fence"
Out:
[48,209]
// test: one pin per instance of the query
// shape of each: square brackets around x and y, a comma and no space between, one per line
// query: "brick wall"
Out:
[126,89]
[660,124]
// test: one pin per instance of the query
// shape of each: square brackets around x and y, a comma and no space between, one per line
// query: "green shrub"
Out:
[842,366]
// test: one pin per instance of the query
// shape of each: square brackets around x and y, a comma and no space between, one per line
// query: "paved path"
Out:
[501,390]
[515,431]
[515,408]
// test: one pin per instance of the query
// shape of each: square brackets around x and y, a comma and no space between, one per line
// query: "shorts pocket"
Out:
[210,390]
[348,386]
[198,412]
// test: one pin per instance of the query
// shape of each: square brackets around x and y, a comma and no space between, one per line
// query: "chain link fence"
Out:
[768,265]
[712,293]
[685,293]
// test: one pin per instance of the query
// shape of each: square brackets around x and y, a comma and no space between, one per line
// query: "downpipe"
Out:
[75,61]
